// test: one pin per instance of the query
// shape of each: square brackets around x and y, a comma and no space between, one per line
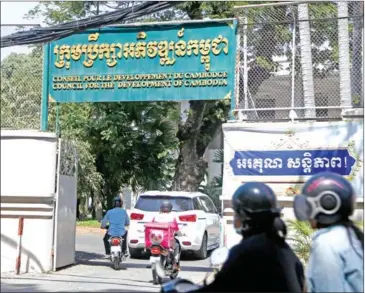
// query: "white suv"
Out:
[196,215]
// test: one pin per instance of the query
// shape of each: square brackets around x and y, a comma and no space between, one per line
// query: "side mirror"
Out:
[219,256]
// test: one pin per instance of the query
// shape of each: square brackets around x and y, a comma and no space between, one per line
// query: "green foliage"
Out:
[119,144]
[300,234]
[55,12]
[73,120]
[300,238]
[88,223]
[21,88]
[134,143]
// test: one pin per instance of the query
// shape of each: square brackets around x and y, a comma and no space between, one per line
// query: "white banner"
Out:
[284,155]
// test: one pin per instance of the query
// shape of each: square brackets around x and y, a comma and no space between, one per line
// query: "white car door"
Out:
[214,220]
[209,220]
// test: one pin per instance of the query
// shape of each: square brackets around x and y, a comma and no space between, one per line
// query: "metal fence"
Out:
[21,83]
[299,60]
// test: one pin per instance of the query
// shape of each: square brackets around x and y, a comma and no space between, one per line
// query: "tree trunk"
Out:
[306,60]
[97,206]
[344,54]
[190,167]
[356,71]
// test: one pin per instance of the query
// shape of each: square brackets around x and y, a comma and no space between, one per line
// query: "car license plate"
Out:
[154,259]
[116,248]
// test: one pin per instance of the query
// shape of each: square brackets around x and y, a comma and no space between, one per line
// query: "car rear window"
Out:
[153,203]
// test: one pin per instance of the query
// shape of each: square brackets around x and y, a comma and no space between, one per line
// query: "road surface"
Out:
[93,273]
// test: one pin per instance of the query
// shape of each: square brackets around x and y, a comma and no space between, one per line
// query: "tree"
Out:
[21,95]
[73,119]
[204,118]
[129,143]
[134,144]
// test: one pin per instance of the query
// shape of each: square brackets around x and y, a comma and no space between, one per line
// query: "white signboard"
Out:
[285,155]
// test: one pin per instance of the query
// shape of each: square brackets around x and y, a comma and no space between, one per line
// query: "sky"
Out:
[13,13]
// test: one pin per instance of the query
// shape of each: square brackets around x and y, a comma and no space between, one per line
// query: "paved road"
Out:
[93,273]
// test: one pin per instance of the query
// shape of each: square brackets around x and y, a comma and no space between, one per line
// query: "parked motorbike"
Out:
[217,259]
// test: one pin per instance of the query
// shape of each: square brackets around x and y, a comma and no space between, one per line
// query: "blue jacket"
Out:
[334,264]
[118,219]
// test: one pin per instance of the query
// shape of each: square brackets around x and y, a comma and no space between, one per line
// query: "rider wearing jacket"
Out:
[262,261]
[118,220]
[337,254]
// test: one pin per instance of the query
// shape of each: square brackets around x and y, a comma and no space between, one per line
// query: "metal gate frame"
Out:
[65,204]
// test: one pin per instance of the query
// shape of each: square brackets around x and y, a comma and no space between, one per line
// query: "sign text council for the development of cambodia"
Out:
[187,61]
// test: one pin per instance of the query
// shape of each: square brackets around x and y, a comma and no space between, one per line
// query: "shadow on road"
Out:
[27,287]
[107,278]
[96,259]
[36,288]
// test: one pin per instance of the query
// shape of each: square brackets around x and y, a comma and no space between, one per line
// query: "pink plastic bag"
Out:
[159,234]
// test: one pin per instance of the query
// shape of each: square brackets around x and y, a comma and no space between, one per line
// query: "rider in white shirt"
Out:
[165,216]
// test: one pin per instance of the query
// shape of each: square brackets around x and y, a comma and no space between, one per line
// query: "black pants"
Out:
[107,244]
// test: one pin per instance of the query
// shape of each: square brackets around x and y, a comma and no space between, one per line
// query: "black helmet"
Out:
[165,207]
[117,202]
[326,197]
[255,204]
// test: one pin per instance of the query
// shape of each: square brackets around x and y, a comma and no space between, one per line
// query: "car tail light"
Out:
[133,241]
[115,241]
[155,250]
[188,218]
[186,243]
[135,216]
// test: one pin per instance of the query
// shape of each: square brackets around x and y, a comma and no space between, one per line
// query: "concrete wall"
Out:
[28,178]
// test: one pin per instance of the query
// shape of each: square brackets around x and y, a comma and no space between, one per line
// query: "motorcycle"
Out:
[165,258]
[116,255]
[162,252]
[217,259]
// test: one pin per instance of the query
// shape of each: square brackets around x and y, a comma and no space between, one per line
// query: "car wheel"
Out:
[135,252]
[202,253]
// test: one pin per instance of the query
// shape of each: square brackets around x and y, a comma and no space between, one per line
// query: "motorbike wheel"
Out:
[116,263]
[155,278]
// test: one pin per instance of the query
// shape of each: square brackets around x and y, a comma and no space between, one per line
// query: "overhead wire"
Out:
[59,31]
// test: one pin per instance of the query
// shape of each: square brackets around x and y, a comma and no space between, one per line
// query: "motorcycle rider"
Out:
[337,254]
[165,216]
[118,220]
[262,261]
